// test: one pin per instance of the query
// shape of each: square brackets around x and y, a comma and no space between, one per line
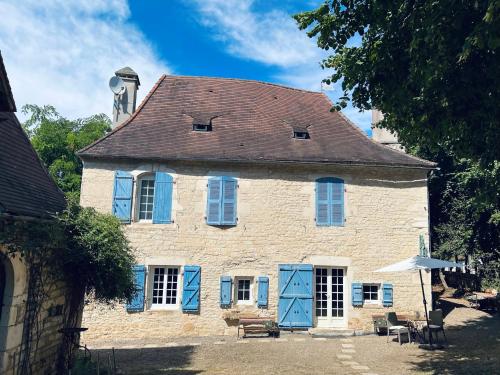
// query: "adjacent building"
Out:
[250,198]
[29,337]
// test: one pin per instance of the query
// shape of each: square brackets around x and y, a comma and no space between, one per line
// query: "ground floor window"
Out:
[244,290]
[371,293]
[165,286]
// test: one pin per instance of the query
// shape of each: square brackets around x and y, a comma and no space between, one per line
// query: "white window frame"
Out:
[371,301]
[149,177]
[250,301]
[164,306]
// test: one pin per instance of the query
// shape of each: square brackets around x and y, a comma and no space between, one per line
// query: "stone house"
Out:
[244,197]
[27,195]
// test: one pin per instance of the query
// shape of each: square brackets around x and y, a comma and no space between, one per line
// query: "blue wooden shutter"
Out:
[136,303]
[357,294]
[229,186]
[337,202]
[162,207]
[191,288]
[263,291]
[322,202]
[122,196]
[225,291]
[214,199]
[387,295]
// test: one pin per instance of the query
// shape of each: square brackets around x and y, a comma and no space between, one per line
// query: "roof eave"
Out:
[431,166]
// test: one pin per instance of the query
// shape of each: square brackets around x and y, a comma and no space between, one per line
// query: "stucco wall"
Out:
[385,211]
[12,320]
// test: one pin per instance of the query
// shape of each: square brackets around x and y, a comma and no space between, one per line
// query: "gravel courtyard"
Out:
[474,339]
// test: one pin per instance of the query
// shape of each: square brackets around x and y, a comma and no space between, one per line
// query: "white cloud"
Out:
[63,52]
[272,38]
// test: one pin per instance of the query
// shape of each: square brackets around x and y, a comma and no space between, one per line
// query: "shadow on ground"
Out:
[145,361]
[474,347]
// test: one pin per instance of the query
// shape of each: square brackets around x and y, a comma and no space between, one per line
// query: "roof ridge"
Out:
[127,121]
[247,80]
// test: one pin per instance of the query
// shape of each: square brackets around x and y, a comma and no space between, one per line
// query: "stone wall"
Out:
[385,211]
[12,321]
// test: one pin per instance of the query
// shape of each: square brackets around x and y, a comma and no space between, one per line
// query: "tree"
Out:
[85,250]
[464,215]
[432,67]
[56,140]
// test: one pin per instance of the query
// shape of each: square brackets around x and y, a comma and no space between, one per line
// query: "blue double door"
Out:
[295,304]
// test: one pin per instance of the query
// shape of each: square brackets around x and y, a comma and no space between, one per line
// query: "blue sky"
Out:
[63,52]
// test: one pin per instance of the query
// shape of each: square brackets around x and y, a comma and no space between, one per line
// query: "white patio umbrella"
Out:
[420,263]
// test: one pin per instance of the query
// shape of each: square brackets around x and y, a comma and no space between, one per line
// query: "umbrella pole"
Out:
[425,308]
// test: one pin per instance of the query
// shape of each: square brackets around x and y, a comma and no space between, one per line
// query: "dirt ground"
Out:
[473,336]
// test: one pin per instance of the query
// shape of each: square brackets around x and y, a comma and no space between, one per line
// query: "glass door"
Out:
[329,296]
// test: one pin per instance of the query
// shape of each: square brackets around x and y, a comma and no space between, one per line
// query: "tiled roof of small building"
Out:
[251,122]
[7,103]
[26,189]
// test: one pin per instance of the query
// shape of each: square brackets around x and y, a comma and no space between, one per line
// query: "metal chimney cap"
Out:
[128,72]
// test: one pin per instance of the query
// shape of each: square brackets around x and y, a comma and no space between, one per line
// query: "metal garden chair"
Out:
[394,325]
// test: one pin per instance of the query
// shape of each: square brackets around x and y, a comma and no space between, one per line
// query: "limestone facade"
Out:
[385,212]
[12,321]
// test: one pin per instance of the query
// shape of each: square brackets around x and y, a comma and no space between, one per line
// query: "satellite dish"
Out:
[117,85]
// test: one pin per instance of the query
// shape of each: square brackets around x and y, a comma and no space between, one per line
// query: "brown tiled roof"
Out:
[26,188]
[251,121]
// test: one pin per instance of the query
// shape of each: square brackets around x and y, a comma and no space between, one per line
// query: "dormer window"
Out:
[301,134]
[202,127]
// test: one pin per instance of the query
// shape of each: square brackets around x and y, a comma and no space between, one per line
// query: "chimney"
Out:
[383,136]
[124,104]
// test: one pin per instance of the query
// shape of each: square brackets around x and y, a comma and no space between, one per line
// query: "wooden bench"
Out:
[255,325]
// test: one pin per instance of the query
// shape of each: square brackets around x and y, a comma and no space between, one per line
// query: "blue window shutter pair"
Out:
[221,201]
[136,303]
[329,202]
[191,288]
[226,285]
[387,295]
[263,291]
[357,294]
[162,206]
[122,197]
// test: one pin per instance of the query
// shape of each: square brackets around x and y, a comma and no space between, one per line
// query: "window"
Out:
[330,202]
[221,201]
[301,134]
[164,286]
[146,198]
[244,291]
[371,293]
[202,127]
[154,198]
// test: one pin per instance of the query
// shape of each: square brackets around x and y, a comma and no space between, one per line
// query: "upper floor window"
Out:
[329,201]
[154,197]
[146,196]
[221,201]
